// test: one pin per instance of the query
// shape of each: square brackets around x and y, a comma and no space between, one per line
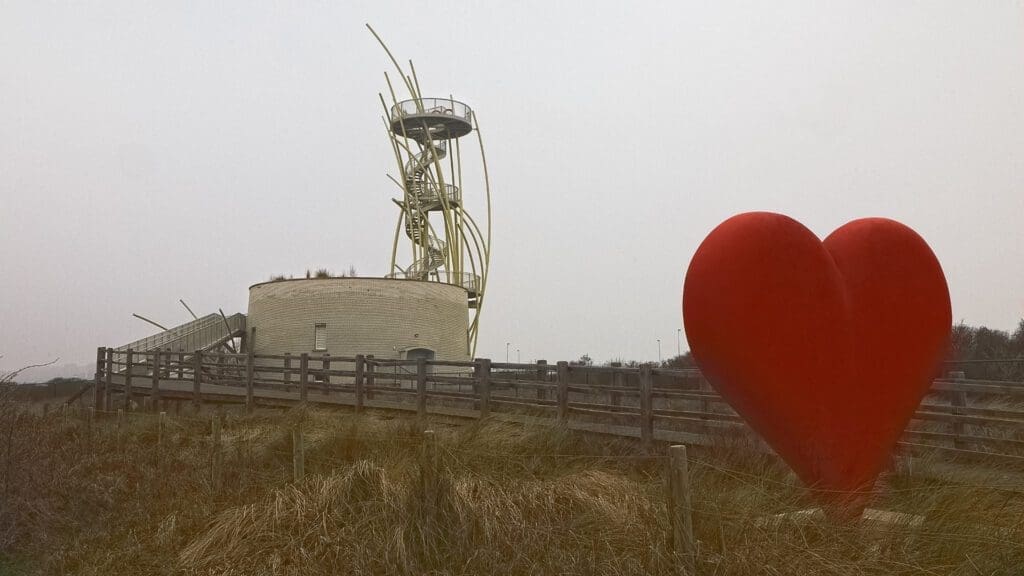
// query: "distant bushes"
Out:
[319,273]
[969,344]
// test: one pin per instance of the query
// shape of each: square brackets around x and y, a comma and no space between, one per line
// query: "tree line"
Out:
[981,353]
[972,345]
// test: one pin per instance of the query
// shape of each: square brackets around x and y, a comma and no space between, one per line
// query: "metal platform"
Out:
[431,119]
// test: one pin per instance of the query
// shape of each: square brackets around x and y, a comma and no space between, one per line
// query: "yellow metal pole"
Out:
[393,61]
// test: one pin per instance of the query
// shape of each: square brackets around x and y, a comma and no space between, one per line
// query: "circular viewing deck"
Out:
[431,119]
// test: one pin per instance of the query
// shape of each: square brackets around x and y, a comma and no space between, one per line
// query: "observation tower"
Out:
[435,235]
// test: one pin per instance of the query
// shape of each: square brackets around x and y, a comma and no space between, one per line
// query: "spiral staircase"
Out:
[423,198]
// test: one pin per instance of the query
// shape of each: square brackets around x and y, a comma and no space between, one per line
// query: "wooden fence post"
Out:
[475,384]
[218,457]
[298,454]
[327,375]
[484,385]
[303,376]
[563,391]
[542,376]
[197,379]
[90,416]
[287,368]
[181,365]
[680,507]
[155,391]
[120,429]
[615,396]
[160,438]
[959,402]
[428,471]
[218,368]
[360,392]
[370,370]
[108,380]
[421,388]
[128,368]
[97,393]
[250,368]
[646,409]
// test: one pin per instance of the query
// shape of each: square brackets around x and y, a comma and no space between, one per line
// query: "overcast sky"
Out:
[188,150]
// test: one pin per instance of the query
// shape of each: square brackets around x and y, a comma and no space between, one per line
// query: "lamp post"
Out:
[679,349]
[518,359]
[659,350]
[506,351]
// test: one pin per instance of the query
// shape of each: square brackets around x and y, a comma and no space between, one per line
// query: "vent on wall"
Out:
[320,337]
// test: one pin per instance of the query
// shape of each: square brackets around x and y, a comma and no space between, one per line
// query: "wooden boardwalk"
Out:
[960,418]
[179,391]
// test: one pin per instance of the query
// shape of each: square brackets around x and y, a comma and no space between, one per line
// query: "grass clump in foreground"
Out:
[505,500]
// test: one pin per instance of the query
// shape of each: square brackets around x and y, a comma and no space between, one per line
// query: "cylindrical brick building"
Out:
[389,318]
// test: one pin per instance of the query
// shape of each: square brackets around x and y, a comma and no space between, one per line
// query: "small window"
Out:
[320,337]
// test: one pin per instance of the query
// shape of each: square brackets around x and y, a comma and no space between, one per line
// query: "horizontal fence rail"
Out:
[958,416]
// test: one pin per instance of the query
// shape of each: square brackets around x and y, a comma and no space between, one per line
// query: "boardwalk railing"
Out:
[959,416]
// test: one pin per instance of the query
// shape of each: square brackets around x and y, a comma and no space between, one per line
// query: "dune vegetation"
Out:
[89,496]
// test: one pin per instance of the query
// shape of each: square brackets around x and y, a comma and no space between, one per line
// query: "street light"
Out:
[506,351]
[679,350]
[518,359]
[659,350]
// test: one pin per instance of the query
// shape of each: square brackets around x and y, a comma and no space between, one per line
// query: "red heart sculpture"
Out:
[824,348]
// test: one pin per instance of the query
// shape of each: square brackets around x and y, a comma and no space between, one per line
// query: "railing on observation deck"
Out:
[469,281]
[431,107]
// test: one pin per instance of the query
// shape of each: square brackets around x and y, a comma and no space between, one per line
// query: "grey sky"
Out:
[188,150]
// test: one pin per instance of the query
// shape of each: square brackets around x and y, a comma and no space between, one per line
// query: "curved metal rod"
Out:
[487,187]
[393,61]
[144,319]
[394,245]
[480,290]
[417,251]
[405,197]
[227,326]
[485,257]
[194,317]
[401,168]
[415,82]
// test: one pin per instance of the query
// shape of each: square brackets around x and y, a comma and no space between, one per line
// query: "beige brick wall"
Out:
[376,316]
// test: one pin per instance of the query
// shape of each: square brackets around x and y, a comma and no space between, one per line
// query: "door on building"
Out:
[417,353]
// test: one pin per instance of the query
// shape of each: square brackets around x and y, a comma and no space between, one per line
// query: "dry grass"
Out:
[507,499]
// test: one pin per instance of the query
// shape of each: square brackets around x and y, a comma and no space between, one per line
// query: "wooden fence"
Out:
[959,416]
